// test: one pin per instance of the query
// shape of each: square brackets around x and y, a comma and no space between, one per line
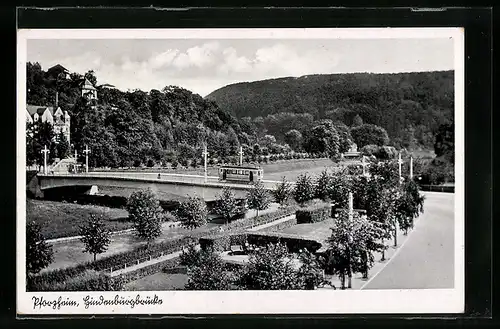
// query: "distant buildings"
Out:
[88,90]
[58,71]
[60,120]
[107,86]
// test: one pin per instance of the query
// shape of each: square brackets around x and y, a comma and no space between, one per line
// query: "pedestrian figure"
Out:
[159,175]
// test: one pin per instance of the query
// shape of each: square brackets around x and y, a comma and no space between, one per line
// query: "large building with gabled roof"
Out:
[59,119]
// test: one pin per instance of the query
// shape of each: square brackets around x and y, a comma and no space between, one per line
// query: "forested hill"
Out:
[407,105]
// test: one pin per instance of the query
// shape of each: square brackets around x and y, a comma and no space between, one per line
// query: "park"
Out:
[290,218]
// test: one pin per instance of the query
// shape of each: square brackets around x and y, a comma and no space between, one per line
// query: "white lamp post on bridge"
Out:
[241,155]
[411,167]
[400,162]
[86,151]
[45,152]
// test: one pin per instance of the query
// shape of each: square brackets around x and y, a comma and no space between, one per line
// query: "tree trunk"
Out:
[342,281]
[383,252]
[395,235]
[365,272]
[349,282]
[257,212]
[95,256]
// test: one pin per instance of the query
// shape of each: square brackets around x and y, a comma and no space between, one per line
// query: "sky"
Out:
[204,65]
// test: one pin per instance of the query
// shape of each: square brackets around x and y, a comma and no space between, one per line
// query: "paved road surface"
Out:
[426,260]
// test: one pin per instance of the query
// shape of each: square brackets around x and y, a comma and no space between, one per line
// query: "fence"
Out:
[438,188]
[142,260]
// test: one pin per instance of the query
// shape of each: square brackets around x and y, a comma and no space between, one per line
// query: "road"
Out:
[425,260]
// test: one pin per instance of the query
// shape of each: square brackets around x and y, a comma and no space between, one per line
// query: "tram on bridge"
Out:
[242,174]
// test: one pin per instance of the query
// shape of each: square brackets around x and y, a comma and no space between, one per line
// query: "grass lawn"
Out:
[320,231]
[127,191]
[158,281]
[58,219]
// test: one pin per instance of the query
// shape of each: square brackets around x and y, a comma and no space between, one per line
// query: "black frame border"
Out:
[477,23]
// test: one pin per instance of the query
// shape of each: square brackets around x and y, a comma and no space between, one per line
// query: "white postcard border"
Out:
[250,302]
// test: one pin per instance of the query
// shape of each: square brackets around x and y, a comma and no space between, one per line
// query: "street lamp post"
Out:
[411,167]
[45,151]
[205,155]
[241,156]
[86,151]
[400,162]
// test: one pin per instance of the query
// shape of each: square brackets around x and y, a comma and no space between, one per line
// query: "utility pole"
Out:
[205,155]
[86,151]
[400,162]
[241,156]
[351,206]
[364,166]
[411,167]
[45,151]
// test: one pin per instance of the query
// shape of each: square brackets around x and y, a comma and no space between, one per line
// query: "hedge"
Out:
[293,243]
[148,270]
[313,213]
[85,281]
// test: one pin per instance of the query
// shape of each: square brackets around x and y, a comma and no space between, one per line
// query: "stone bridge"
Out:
[171,184]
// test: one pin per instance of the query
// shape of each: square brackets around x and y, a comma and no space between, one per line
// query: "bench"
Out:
[236,248]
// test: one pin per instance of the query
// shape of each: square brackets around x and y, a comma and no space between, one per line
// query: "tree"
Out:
[226,205]
[345,138]
[323,185]
[31,148]
[39,254]
[367,134]
[282,191]
[95,236]
[310,272]
[294,139]
[90,75]
[44,136]
[445,142]
[271,268]
[323,138]
[409,205]
[339,187]
[304,189]
[146,214]
[351,245]
[208,272]
[62,146]
[357,121]
[258,197]
[192,212]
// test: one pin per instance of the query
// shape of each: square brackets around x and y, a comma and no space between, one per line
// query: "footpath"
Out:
[178,253]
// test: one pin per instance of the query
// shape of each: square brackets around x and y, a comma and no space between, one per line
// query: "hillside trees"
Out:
[393,101]
[294,138]
[367,134]
[323,139]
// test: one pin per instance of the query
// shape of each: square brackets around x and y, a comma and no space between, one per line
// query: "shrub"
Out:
[313,213]
[217,243]
[151,163]
[369,150]
[88,280]
[293,243]
[147,270]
